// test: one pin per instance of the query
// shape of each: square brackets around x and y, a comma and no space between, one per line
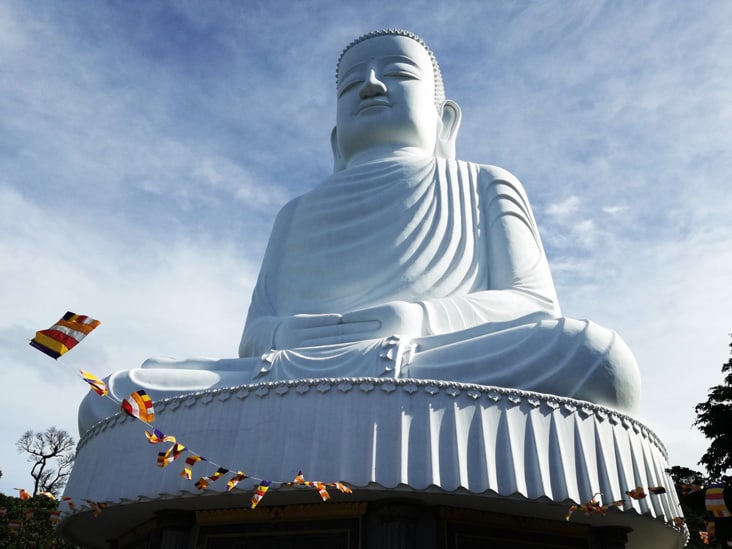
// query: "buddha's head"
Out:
[391,97]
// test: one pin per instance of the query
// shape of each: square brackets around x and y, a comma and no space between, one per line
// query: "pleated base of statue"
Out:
[431,464]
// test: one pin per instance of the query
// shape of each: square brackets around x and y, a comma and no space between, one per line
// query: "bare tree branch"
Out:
[52,455]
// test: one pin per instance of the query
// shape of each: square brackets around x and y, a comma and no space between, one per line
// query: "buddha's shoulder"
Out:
[287,212]
[490,176]
[490,172]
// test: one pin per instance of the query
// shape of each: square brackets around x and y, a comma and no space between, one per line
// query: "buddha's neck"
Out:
[385,152]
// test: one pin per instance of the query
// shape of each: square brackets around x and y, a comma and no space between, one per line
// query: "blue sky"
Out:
[145,148]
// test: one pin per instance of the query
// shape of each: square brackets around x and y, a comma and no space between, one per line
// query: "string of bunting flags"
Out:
[139,406]
[714,503]
[67,333]
[73,328]
[593,506]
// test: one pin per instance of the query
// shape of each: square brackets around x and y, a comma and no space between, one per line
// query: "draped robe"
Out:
[460,240]
[431,231]
[457,238]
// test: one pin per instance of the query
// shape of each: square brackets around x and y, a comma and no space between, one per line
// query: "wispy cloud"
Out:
[146,150]
[567,208]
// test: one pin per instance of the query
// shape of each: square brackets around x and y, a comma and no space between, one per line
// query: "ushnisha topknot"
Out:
[439,86]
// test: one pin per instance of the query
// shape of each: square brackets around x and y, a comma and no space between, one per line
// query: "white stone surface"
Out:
[376,433]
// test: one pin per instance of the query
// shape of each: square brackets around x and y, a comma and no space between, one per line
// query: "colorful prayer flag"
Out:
[616,503]
[191,460]
[49,495]
[140,406]
[322,490]
[714,501]
[97,385]
[221,471]
[656,490]
[233,481]
[342,487]
[203,482]
[64,335]
[157,436]
[300,481]
[166,458]
[593,506]
[3,511]
[95,506]
[22,494]
[29,514]
[259,493]
[70,502]
[55,516]
[637,493]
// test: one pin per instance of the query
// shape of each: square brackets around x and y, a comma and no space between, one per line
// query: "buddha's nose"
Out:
[372,86]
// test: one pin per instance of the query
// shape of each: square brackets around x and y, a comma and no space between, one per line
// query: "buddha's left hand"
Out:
[396,317]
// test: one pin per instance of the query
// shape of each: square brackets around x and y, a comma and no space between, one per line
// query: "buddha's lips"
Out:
[372,103]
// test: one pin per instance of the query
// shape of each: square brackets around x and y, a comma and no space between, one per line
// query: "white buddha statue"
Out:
[405,240]
[406,262]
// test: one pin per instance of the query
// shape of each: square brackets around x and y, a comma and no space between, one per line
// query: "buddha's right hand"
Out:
[309,330]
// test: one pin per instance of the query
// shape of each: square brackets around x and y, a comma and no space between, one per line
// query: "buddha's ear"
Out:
[338,164]
[448,129]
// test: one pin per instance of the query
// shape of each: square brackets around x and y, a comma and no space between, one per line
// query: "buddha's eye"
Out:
[348,85]
[402,70]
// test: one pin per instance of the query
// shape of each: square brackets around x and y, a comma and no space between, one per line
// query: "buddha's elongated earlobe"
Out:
[448,129]
[338,164]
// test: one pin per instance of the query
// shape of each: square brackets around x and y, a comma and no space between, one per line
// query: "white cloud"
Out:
[614,210]
[222,174]
[565,208]
[180,298]
[144,154]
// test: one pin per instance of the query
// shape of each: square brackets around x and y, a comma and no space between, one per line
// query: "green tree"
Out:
[714,420]
[692,504]
[52,455]
[28,523]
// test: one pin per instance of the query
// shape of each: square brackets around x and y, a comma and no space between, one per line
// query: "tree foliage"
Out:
[714,420]
[52,455]
[27,523]
[693,506]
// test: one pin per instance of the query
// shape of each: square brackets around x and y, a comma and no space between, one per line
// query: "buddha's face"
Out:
[386,97]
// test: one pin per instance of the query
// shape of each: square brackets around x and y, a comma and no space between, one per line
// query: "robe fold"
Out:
[458,239]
